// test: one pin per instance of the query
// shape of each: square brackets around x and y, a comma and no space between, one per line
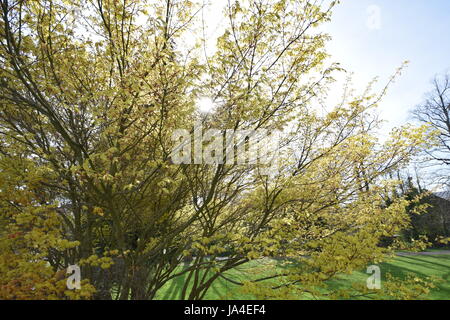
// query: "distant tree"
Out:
[435,111]
[428,212]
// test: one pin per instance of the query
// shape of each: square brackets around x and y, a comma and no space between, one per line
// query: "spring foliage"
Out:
[91,93]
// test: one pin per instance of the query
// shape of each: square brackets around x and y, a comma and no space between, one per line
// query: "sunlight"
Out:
[205,105]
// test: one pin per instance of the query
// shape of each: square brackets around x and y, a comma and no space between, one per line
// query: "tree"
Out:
[31,236]
[435,111]
[93,93]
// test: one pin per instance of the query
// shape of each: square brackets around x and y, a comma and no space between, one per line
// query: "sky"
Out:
[373,37]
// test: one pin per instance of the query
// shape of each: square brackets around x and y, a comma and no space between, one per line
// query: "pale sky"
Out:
[414,30]
[373,37]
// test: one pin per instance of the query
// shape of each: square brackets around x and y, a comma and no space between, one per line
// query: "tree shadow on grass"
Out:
[173,292]
[400,271]
[416,258]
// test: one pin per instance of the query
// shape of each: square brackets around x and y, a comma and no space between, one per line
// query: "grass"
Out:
[422,266]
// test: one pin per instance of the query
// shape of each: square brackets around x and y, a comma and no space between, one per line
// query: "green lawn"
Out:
[423,266]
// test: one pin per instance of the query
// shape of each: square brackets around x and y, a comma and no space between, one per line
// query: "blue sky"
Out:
[414,30]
